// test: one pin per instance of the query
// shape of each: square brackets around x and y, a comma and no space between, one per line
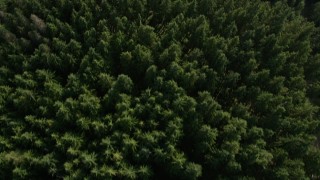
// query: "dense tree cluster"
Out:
[159,89]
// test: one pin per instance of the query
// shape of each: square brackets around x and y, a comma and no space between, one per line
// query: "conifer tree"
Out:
[149,89]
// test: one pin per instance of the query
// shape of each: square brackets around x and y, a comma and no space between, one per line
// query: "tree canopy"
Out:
[150,89]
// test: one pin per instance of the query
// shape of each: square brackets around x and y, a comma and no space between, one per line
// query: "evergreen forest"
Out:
[160,89]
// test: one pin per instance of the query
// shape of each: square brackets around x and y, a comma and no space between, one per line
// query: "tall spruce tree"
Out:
[173,89]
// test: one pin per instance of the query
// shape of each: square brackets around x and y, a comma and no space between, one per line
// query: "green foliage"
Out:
[149,89]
